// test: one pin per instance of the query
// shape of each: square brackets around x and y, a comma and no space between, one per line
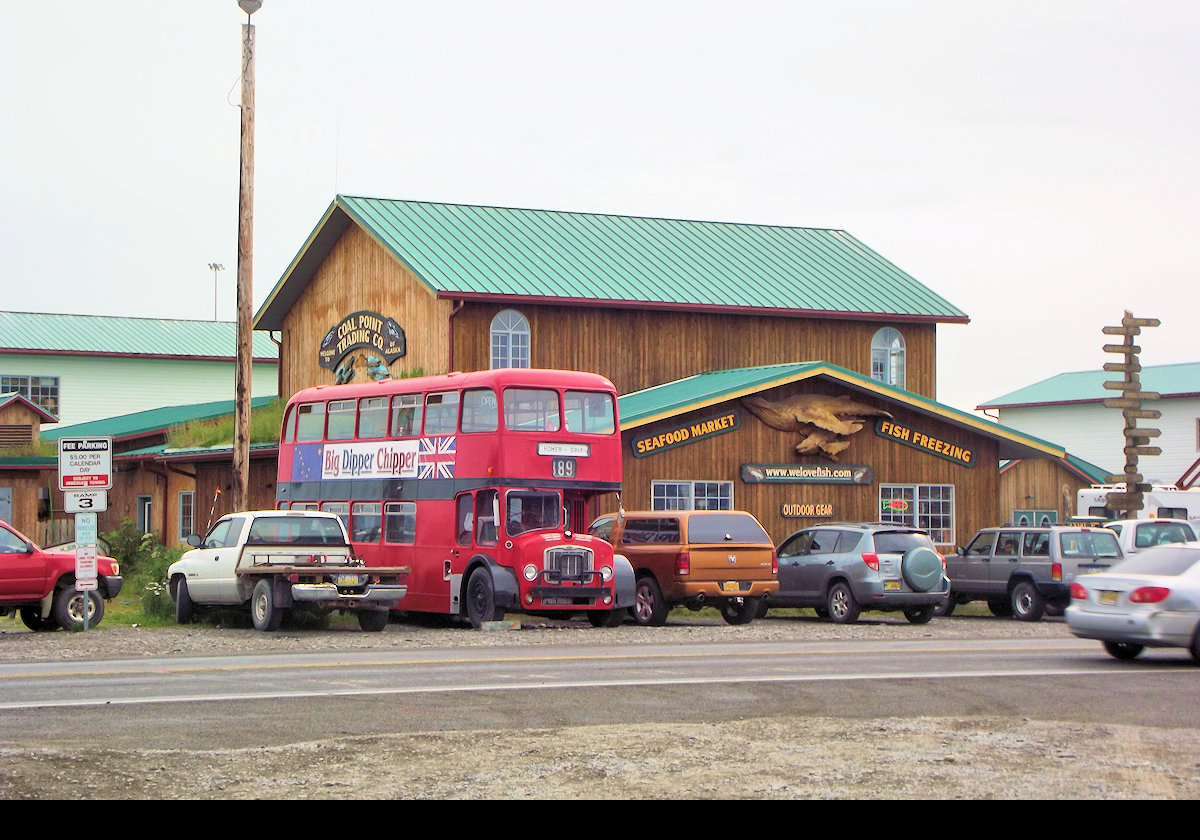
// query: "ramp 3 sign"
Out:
[85,463]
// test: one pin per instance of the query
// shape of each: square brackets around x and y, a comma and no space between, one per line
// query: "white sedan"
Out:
[1149,600]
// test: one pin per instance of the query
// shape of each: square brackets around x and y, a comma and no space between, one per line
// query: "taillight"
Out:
[871,560]
[774,563]
[1078,592]
[1148,594]
[683,563]
[942,557]
[1056,571]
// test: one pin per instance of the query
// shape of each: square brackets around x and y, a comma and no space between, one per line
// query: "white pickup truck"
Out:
[272,561]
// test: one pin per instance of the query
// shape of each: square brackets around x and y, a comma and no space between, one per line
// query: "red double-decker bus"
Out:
[480,482]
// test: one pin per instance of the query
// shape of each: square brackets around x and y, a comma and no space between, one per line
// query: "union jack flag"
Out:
[436,457]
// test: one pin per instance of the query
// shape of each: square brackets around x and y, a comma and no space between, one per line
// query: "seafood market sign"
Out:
[362,329]
[682,435]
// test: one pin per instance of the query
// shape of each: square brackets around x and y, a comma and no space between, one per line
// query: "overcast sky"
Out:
[1035,163]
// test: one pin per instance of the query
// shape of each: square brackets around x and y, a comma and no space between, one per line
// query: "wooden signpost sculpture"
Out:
[1130,403]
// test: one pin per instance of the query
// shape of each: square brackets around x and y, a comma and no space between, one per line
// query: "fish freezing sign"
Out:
[85,463]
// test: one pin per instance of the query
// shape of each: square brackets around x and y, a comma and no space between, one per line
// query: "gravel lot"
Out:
[762,758]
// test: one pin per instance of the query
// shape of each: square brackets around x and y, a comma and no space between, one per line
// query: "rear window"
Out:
[644,531]
[898,542]
[726,527]
[1160,560]
[1161,533]
[1096,544]
[295,530]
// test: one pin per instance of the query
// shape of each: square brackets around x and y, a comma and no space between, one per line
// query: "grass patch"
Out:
[265,423]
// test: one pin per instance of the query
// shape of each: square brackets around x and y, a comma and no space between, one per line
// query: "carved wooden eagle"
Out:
[826,422]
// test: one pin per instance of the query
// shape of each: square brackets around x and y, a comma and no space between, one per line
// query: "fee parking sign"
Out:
[85,463]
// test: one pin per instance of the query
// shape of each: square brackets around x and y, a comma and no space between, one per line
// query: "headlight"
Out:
[606,573]
[531,572]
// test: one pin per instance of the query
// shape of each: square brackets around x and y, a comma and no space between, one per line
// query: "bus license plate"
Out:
[556,602]
[347,580]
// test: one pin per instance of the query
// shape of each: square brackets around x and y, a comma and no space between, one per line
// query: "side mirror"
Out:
[960,551]
[195,541]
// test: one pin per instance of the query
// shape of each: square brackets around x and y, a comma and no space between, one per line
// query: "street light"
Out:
[215,266]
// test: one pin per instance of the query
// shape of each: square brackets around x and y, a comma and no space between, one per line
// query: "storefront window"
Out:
[691,495]
[929,507]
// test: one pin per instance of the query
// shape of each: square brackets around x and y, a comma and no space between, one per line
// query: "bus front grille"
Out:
[568,561]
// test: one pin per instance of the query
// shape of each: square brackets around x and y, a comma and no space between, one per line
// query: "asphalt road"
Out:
[266,698]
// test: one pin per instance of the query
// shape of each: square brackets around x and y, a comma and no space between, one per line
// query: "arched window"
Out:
[510,340]
[887,357]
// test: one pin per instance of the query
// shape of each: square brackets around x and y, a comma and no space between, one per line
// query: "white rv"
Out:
[1163,501]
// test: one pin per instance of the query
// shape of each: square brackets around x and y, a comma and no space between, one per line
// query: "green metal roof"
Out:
[704,389]
[467,252]
[34,332]
[1181,380]
[149,422]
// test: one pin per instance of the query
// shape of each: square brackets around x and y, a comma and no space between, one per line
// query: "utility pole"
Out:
[1130,403]
[245,271]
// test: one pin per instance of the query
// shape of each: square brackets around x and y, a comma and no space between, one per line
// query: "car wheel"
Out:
[921,614]
[69,606]
[1000,607]
[739,610]
[263,612]
[606,618]
[481,599]
[31,618]
[1027,603]
[762,608]
[1054,610]
[821,612]
[842,607]
[649,609]
[184,608]
[372,621]
[1125,651]
[946,607]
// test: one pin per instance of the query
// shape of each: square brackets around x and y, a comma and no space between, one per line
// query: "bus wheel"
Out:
[606,618]
[481,599]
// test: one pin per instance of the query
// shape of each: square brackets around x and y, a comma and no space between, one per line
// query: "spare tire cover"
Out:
[921,568]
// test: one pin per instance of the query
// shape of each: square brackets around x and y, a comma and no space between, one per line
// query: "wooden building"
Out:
[705,328]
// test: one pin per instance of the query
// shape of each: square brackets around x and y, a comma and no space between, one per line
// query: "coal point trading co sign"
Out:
[85,463]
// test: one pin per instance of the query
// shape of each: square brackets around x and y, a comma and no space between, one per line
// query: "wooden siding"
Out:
[640,348]
[22,426]
[1040,484]
[720,458]
[360,275]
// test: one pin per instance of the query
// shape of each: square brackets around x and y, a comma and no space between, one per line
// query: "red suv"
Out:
[41,585]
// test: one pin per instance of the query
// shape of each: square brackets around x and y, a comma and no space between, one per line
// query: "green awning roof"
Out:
[148,422]
[695,392]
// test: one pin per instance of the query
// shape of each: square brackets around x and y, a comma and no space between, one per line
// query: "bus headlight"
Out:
[606,573]
[530,572]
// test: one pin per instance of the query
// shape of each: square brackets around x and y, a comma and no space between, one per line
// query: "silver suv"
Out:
[1026,572]
[842,568]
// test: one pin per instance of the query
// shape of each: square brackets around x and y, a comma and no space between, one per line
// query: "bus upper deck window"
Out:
[441,413]
[530,410]
[310,422]
[590,413]
[406,415]
[341,420]
[372,417]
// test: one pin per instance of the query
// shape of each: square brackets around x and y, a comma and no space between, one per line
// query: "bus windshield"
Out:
[529,510]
